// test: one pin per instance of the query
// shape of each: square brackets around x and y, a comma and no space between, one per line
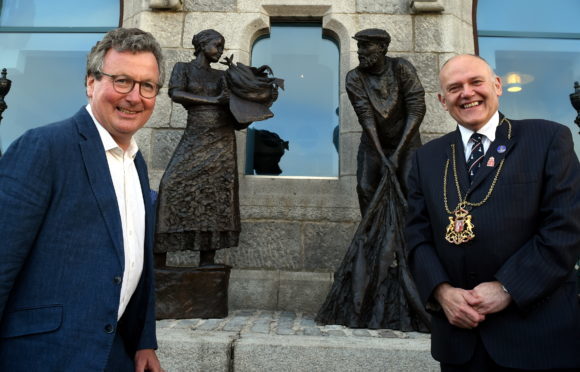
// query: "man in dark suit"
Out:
[493,232]
[76,224]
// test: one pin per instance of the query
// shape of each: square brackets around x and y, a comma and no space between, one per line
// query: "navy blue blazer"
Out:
[61,253]
[527,236]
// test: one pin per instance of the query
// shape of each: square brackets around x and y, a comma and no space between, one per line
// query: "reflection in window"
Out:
[300,139]
[525,16]
[45,62]
[538,67]
[59,13]
[47,84]
[268,149]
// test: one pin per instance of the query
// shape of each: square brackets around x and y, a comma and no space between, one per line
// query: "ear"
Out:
[442,100]
[497,84]
[90,85]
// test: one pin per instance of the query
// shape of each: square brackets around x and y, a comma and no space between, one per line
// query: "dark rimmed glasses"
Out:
[124,84]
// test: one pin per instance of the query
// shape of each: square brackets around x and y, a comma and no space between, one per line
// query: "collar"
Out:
[488,130]
[108,141]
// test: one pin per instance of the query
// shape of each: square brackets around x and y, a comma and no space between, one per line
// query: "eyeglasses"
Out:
[124,84]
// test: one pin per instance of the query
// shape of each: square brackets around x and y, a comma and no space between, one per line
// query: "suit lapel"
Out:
[461,165]
[497,151]
[97,168]
[149,218]
[146,191]
[451,190]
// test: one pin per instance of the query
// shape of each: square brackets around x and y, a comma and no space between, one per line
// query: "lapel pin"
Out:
[501,149]
[491,161]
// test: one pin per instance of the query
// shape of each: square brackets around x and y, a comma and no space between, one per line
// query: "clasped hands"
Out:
[467,308]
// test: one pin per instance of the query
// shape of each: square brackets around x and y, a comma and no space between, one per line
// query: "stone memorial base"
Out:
[192,292]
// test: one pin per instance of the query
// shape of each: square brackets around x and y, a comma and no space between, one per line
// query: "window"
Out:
[302,137]
[43,45]
[535,48]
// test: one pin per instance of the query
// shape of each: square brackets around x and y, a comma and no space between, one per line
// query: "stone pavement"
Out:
[258,340]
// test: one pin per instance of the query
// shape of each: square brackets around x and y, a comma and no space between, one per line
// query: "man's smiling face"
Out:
[469,91]
[123,114]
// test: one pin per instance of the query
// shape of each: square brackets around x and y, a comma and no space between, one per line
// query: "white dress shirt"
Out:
[488,132]
[131,209]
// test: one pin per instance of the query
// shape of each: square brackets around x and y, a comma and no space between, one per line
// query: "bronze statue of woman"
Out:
[198,206]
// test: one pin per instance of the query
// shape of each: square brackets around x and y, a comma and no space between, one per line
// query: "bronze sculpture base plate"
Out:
[192,292]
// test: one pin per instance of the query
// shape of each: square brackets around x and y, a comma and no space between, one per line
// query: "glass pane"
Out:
[306,113]
[59,13]
[560,16]
[547,69]
[47,73]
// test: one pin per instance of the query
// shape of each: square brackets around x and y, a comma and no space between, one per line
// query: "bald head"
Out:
[463,57]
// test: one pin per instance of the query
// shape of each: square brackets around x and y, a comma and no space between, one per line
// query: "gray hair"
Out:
[124,40]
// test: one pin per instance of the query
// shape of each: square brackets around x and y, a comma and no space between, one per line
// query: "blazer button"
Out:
[109,328]
[118,280]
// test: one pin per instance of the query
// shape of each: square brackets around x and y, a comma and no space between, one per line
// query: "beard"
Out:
[369,61]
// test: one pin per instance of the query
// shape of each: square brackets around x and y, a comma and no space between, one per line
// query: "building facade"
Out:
[295,230]
[297,227]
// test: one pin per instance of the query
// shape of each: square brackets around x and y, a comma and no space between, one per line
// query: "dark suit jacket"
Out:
[61,253]
[527,236]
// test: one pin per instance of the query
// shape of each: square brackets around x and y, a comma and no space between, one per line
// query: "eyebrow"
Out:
[130,77]
[482,77]
[478,77]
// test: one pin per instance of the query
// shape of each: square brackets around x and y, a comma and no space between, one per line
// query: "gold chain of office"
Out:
[460,228]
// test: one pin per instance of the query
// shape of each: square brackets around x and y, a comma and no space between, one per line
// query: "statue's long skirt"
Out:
[198,207]
[372,287]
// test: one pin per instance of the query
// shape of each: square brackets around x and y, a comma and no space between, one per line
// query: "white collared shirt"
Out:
[488,131]
[131,209]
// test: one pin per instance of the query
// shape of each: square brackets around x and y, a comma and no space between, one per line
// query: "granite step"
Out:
[285,341]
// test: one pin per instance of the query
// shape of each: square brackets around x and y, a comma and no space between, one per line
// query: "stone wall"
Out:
[298,224]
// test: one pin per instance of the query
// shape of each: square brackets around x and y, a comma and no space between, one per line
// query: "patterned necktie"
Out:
[476,157]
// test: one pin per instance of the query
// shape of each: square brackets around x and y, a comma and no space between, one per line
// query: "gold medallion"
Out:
[460,229]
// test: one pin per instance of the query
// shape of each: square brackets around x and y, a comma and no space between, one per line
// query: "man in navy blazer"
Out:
[76,224]
[493,257]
